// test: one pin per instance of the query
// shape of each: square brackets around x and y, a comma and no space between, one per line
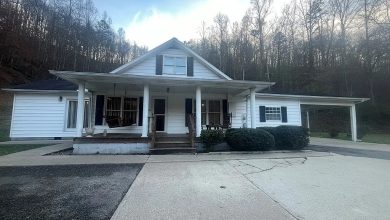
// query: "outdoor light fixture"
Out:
[60,99]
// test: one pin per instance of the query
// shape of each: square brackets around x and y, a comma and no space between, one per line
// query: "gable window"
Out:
[273,114]
[175,65]
[122,108]
[71,115]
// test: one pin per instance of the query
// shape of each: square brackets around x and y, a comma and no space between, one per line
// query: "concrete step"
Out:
[177,150]
[172,145]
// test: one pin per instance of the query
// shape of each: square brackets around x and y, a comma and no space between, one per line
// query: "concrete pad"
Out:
[196,190]
[349,144]
[338,187]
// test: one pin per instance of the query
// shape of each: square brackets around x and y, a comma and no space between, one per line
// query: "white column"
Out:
[145,112]
[198,111]
[252,108]
[307,120]
[80,110]
[352,111]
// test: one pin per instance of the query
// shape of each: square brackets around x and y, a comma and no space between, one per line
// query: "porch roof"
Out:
[92,78]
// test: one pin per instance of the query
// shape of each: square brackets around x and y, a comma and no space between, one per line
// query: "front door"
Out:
[159,113]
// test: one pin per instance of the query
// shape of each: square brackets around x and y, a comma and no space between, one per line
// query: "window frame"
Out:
[121,111]
[174,66]
[210,112]
[87,113]
[279,108]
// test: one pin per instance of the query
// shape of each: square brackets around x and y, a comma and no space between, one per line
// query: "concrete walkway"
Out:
[349,144]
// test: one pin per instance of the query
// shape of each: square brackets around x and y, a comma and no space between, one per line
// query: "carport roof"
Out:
[316,100]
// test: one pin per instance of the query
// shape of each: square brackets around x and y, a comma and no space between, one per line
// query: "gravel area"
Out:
[64,192]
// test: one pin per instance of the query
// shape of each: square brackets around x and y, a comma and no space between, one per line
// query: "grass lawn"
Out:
[380,138]
[13,148]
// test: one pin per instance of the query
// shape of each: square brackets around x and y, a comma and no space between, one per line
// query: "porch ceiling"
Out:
[95,81]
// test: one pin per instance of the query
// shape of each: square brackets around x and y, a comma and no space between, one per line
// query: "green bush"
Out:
[288,137]
[248,139]
[211,137]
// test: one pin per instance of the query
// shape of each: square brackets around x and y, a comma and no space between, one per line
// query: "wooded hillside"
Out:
[38,35]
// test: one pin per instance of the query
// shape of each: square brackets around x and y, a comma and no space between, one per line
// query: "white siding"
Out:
[240,108]
[39,115]
[148,67]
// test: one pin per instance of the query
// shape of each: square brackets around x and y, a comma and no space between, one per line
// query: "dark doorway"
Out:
[159,113]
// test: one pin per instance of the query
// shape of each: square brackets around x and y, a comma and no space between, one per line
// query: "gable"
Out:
[157,62]
[148,66]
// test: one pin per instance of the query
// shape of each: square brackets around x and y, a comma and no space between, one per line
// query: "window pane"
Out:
[129,118]
[214,118]
[204,118]
[272,113]
[214,106]
[181,70]
[180,61]
[72,114]
[114,103]
[130,104]
[169,60]
[169,69]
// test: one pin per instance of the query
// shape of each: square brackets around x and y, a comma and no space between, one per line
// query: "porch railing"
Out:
[153,132]
[191,129]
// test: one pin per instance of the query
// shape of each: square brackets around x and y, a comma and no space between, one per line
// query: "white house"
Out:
[163,86]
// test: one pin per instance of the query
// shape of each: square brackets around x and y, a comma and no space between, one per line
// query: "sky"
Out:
[152,22]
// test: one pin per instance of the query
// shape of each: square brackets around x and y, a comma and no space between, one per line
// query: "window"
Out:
[113,107]
[204,111]
[123,108]
[72,114]
[175,65]
[130,111]
[272,113]
[214,112]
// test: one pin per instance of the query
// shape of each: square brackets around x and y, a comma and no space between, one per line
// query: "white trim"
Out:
[316,100]
[12,117]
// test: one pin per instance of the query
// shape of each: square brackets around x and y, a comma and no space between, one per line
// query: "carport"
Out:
[308,103]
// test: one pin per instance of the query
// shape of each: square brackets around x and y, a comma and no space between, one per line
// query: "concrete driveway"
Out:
[265,186]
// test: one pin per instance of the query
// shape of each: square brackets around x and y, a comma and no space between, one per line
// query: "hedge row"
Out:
[262,138]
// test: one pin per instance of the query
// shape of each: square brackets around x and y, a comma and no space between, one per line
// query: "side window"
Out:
[71,115]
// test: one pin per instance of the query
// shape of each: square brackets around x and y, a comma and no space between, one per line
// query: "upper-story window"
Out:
[175,65]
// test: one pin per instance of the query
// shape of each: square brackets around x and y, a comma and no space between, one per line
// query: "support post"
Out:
[145,112]
[252,107]
[198,111]
[353,122]
[80,110]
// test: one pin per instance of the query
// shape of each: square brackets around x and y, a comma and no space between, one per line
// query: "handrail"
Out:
[191,129]
[153,132]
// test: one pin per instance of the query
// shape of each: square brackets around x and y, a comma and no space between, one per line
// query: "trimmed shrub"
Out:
[288,137]
[211,137]
[248,139]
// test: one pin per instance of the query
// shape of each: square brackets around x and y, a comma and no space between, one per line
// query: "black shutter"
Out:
[284,114]
[224,110]
[190,66]
[140,110]
[188,110]
[262,113]
[99,110]
[159,64]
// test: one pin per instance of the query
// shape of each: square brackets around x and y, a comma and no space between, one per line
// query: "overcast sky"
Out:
[152,22]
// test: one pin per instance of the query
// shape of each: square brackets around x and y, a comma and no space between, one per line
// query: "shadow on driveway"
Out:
[385,155]
[64,192]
